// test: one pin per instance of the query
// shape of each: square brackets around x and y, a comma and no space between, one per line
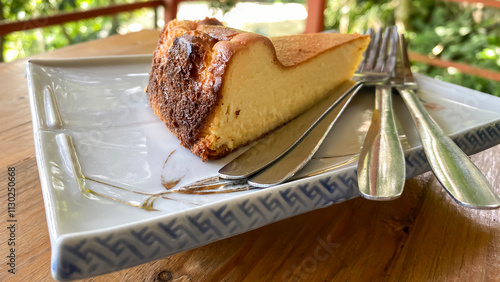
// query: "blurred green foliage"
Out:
[226,5]
[468,34]
[24,43]
[463,33]
[358,15]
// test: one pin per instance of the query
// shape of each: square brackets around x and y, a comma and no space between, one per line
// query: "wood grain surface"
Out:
[423,236]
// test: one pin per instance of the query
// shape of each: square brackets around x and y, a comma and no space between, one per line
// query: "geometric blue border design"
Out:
[80,257]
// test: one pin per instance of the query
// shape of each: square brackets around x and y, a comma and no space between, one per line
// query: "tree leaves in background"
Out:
[349,16]
[226,5]
[466,33]
[34,41]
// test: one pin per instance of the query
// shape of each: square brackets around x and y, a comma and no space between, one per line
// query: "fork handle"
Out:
[452,167]
[381,165]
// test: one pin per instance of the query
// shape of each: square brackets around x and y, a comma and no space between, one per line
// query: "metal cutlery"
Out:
[381,168]
[381,164]
[452,167]
[288,160]
[371,71]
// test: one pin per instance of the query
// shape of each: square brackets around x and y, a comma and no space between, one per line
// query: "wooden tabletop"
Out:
[423,235]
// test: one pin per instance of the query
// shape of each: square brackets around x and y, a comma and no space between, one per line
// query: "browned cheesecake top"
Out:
[292,50]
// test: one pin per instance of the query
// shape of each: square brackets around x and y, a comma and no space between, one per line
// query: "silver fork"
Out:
[454,170]
[284,163]
[381,164]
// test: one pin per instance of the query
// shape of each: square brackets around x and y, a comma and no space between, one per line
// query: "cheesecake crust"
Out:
[186,77]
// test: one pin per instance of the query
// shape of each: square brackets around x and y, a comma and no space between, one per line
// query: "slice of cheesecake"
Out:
[218,88]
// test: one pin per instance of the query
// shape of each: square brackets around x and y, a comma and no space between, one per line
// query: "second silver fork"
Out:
[381,164]
[369,73]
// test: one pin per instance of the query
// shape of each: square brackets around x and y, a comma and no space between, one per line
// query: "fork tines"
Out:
[381,52]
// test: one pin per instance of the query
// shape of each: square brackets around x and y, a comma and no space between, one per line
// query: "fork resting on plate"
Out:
[452,167]
[275,159]
[381,164]
[381,168]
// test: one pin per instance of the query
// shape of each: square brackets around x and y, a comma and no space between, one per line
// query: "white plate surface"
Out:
[119,190]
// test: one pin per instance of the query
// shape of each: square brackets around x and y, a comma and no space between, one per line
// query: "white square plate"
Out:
[119,190]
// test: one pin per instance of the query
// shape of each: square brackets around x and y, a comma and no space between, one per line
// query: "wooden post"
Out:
[315,16]
[170,9]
